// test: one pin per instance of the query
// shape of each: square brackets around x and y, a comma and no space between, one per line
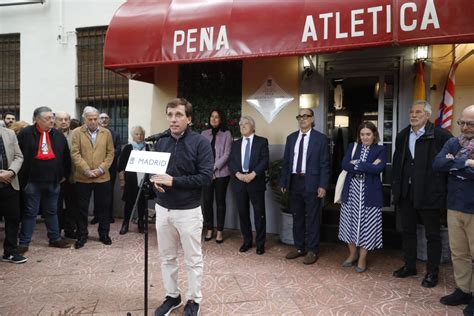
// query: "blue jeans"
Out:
[36,195]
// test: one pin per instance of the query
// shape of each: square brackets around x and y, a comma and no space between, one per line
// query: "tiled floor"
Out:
[108,280]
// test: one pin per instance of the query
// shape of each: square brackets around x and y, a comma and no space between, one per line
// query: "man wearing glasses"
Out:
[305,175]
[418,190]
[457,158]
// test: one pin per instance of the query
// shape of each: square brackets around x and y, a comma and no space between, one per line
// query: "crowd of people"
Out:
[53,167]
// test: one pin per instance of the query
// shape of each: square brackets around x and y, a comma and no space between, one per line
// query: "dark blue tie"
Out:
[299,162]
[247,155]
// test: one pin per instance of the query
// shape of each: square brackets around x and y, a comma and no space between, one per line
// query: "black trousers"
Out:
[219,186]
[430,218]
[67,207]
[305,207]
[101,206]
[258,202]
[113,177]
[10,210]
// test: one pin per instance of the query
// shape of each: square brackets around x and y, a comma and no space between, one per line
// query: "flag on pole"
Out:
[447,103]
[420,90]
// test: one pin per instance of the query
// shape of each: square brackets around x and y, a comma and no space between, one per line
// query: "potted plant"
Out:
[283,201]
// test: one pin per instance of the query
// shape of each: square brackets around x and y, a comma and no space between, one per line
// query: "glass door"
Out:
[351,100]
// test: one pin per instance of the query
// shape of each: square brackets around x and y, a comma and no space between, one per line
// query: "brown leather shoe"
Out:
[310,258]
[295,254]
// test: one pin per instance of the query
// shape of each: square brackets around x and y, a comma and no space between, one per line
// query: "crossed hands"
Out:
[469,162]
[94,173]
[247,178]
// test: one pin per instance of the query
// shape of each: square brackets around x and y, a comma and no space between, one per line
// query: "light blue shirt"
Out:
[413,138]
[93,135]
[242,149]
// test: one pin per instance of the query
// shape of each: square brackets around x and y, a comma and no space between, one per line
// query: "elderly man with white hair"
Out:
[248,162]
[418,190]
[92,152]
[457,158]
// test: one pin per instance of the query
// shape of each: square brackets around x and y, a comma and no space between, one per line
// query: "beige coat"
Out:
[13,152]
[86,157]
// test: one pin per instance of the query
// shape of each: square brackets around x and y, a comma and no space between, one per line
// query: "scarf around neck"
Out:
[467,147]
[45,150]
[138,146]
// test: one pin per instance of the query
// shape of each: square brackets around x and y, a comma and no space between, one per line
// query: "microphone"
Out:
[155,137]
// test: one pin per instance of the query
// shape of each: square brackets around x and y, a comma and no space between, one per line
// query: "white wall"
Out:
[48,68]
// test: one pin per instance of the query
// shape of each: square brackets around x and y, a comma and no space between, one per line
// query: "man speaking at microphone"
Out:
[178,206]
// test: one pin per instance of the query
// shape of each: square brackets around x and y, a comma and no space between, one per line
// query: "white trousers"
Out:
[172,228]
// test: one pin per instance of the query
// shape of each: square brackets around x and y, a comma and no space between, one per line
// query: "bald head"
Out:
[466,122]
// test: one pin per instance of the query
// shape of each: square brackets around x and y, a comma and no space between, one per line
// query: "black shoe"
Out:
[404,272]
[80,242]
[458,297]
[245,247]
[469,310]
[124,228]
[21,249]
[14,258]
[60,243]
[430,280]
[191,308]
[260,250]
[168,305]
[105,239]
[295,254]
[94,221]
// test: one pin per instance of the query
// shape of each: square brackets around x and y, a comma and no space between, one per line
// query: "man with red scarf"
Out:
[46,164]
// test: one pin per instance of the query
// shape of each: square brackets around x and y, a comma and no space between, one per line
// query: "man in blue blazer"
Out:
[248,163]
[305,174]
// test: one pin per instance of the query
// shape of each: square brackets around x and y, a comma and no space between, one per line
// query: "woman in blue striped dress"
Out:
[362,197]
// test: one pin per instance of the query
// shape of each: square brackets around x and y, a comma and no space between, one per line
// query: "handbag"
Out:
[341,179]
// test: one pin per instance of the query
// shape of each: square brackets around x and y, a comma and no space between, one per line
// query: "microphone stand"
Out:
[145,188]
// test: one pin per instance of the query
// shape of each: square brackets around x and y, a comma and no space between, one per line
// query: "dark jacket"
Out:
[429,185]
[130,189]
[117,148]
[51,171]
[460,190]
[259,157]
[191,163]
[373,190]
[317,161]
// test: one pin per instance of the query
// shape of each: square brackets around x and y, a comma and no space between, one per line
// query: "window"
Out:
[98,87]
[212,85]
[10,73]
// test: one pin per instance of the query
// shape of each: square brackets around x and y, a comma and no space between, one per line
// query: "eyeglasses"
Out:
[469,124]
[303,117]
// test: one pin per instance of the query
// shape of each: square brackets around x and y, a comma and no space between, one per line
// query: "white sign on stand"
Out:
[148,162]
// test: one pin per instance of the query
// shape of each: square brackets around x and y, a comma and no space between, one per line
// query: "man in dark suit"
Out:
[418,190]
[248,163]
[305,174]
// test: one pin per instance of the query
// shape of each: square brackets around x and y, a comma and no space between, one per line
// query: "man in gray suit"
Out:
[11,160]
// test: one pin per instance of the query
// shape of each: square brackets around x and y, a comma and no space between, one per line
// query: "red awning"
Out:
[145,34]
